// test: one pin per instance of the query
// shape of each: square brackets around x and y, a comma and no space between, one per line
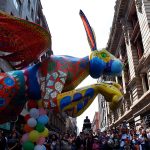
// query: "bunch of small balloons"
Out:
[35,130]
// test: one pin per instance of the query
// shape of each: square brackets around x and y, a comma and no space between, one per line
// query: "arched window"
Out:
[29,4]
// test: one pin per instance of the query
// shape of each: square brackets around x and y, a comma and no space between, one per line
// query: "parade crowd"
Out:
[113,139]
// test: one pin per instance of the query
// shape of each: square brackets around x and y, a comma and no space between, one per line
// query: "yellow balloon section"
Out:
[75,102]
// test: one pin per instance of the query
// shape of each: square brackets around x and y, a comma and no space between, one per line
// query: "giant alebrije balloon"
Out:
[52,82]
[59,75]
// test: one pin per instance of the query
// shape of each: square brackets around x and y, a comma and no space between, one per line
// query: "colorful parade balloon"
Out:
[43,119]
[27,117]
[39,147]
[34,113]
[40,127]
[33,136]
[25,138]
[41,141]
[28,146]
[42,111]
[32,104]
[45,133]
[51,82]
[27,128]
[40,103]
[32,122]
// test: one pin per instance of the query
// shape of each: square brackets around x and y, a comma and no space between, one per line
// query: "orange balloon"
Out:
[27,128]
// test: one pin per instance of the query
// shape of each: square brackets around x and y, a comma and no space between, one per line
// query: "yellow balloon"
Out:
[33,136]
[45,133]
[40,103]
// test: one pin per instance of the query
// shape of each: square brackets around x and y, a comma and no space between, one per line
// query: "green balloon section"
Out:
[28,146]
[40,127]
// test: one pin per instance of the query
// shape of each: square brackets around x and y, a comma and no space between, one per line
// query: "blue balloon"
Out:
[43,119]
[97,67]
[116,67]
[39,147]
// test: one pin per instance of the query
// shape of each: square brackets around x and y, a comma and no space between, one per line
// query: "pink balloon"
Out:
[42,111]
[25,137]
[41,141]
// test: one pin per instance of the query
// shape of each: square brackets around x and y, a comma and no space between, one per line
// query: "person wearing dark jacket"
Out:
[3,141]
[79,141]
[88,141]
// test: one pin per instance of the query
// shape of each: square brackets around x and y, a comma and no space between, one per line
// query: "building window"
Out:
[146,82]
[17,4]
[136,34]
[32,14]
[119,78]
[139,47]
[131,97]
[37,19]
[29,4]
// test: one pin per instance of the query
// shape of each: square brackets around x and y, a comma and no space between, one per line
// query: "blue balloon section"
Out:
[116,67]
[9,82]
[77,97]
[65,101]
[2,101]
[97,67]
[79,107]
[43,119]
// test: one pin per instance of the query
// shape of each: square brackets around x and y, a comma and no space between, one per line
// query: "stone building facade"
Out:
[103,110]
[129,40]
[95,122]
[71,125]
[31,10]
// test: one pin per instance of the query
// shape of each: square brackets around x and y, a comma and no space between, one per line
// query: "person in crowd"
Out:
[96,145]
[88,141]
[148,137]
[14,140]
[125,139]
[47,143]
[72,142]
[54,142]
[80,141]
[134,142]
[104,141]
[143,140]
[3,141]
[110,141]
[65,144]
[116,140]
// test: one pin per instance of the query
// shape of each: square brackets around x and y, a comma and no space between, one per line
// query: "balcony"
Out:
[135,32]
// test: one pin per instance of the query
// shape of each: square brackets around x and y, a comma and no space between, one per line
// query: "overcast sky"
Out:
[68,34]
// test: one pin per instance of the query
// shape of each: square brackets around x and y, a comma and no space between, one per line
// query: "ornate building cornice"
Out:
[116,30]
